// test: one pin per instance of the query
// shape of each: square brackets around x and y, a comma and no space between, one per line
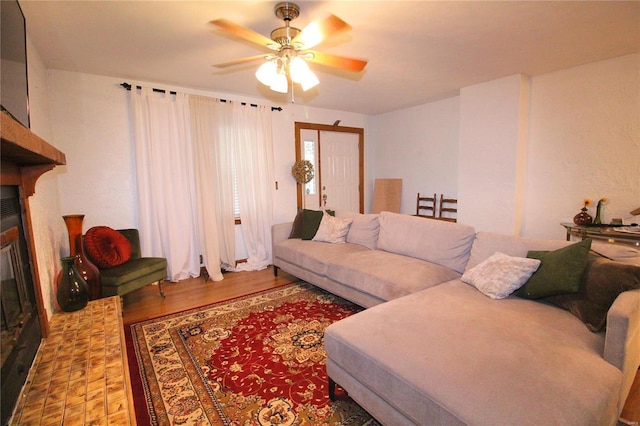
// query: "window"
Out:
[310,155]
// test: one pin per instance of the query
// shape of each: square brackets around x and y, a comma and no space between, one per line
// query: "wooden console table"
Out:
[604,233]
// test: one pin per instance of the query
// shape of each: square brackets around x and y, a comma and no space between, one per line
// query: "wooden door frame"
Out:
[329,128]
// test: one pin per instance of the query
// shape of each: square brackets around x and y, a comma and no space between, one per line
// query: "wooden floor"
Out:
[631,411]
[147,303]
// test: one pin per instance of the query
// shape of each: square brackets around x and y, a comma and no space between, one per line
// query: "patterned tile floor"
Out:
[80,375]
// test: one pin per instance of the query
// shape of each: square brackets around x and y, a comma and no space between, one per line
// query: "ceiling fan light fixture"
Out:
[309,80]
[288,64]
[267,73]
[298,69]
[279,83]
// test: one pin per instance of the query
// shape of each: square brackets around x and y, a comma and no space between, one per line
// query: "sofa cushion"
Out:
[332,229]
[488,243]
[445,243]
[132,275]
[487,362]
[107,247]
[387,275]
[363,230]
[560,271]
[602,282]
[312,255]
[133,270]
[500,275]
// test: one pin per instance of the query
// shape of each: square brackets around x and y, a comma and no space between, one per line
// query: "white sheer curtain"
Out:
[214,183]
[188,149]
[166,181]
[231,138]
[254,173]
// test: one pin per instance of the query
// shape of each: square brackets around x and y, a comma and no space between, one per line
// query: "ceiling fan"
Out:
[288,62]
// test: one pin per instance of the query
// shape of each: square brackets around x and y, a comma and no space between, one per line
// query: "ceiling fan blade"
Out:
[244,33]
[319,30]
[240,61]
[349,64]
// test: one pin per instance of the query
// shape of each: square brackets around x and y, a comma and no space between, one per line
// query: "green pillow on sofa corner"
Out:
[296,228]
[560,271]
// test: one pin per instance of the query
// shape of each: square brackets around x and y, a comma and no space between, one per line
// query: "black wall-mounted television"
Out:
[14,93]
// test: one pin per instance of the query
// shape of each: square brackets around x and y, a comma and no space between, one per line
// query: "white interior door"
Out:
[339,171]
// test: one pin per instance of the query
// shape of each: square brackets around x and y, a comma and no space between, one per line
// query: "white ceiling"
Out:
[418,51]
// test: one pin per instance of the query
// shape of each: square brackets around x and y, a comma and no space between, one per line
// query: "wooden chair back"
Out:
[426,206]
[449,206]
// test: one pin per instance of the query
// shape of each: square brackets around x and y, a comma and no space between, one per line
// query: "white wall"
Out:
[584,142]
[491,162]
[49,231]
[90,122]
[419,145]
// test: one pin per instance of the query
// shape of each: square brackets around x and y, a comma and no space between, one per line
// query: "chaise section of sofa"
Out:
[451,355]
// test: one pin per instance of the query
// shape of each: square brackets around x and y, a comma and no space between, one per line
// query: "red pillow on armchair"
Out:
[107,247]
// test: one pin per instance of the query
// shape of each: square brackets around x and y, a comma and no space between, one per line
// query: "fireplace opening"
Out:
[16,307]
[20,329]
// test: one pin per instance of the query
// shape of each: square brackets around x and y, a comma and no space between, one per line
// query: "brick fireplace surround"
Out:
[80,375]
[52,393]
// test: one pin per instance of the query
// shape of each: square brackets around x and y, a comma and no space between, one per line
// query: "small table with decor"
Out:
[614,234]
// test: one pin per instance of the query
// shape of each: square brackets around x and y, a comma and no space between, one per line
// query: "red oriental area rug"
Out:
[254,360]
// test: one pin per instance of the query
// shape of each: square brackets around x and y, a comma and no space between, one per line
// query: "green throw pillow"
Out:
[560,271]
[296,228]
[311,222]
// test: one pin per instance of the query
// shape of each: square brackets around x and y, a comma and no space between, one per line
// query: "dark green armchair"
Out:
[135,273]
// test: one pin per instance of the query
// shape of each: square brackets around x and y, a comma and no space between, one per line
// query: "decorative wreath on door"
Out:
[302,171]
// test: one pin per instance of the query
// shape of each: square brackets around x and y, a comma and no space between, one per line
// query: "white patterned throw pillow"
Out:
[332,229]
[500,275]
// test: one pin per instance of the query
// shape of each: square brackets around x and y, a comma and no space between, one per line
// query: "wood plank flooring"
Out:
[147,303]
[631,411]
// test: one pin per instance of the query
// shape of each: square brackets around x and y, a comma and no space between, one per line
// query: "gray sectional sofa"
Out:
[432,349]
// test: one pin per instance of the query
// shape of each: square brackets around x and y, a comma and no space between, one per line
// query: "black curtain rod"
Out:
[129,87]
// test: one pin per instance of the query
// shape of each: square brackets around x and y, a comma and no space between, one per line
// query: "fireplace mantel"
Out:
[25,153]
[24,158]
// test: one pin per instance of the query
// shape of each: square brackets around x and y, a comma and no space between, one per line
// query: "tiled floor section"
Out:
[80,375]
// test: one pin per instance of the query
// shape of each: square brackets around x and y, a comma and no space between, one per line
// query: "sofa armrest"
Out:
[280,232]
[622,340]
